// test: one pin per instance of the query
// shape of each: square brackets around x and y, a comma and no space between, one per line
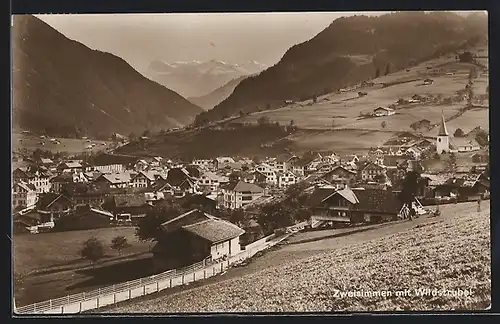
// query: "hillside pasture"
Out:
[341,141]
[469,120]
[46,250]
[448,252]
[69,145]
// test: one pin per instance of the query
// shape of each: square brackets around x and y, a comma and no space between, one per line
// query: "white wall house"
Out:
[209,181]
[383,111]
[241,194]
[24,195]
[286,179]
[110,168]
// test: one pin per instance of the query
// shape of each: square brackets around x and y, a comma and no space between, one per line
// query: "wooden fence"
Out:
[77,303]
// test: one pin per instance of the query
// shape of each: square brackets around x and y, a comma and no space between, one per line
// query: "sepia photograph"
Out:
[234,163]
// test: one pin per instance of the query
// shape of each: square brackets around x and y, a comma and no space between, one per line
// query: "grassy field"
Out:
[69,145]
[46,250]
[448,252]
[48,265]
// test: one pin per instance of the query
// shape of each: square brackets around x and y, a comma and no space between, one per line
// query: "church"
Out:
[444,144]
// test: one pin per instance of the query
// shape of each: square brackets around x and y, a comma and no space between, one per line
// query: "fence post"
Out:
[204,273]
[143,290]
[213,271]
[182,279]
[80,310]
[221,266]
[170,284]
[129,293]
[50,303]
[194,276]
[157,286]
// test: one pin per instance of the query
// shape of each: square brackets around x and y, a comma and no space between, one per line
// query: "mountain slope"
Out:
[215,97]
[195,79]
[62,87]
[350,50]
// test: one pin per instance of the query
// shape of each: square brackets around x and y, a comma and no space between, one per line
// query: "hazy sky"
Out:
[231,37]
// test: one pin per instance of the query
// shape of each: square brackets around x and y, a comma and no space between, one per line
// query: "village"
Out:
[327,190]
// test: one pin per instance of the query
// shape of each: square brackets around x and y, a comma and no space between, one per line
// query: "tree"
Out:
[146,133]
[315,99]
[458,133]
[383,124]
[132,137]
[409,188]
[237,216]
[452,163]
[388,68]
[119,243]
[148,227]
[292,122]
[377,73]
[92,250]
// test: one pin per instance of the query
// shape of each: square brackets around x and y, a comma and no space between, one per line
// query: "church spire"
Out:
[442,128]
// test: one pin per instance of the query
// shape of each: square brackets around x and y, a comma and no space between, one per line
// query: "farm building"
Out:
[127,207]
[239,194]
[24,195]
[339,173]
[428,81]
[85,217]
[383,111]
[52,206]
[481,157]
[357,205]
[196,236]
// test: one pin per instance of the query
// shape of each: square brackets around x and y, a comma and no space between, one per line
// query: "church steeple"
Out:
[442,128]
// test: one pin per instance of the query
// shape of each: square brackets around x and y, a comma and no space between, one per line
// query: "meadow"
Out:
[446,253]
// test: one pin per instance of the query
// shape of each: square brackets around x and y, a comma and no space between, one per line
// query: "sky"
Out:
[232,37]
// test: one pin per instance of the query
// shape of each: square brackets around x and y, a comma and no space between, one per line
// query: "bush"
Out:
[92,250]
[119,243]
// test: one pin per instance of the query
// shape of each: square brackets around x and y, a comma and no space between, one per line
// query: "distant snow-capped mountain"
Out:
[196,78]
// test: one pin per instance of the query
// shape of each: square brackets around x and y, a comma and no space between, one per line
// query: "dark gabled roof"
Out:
[47,199]
[372,165]
[214,230]
[129,200]
[64,178]
[319,194]
[191,217]
[242,186]
[378,200]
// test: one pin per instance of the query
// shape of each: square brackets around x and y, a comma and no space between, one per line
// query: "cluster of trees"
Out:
[93,249]
[286,212]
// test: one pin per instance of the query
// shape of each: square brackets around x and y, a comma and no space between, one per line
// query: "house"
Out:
[53,206]
[372,172]
[113,163]
[394,161]
[383,111]
[58,182]
[268,172]
[142,179]
[34,176]
[115,180]
[127,207]
[221,162]
[183,180]
[209,181]
[84,218]
[141,165]
[26,223]
[24,195]
[354,205]
[286,178]
[198,236]
[207,203]
[463,144]
[239,194]
[339,173]
[70,167]
[428,81]
[204,163]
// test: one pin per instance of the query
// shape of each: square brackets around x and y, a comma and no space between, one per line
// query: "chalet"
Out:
[468,188]
[428,81]
[24,195]
[142,179]
[204,164]
[198,236]
[209,181]
[394,161]
[34,176]
[354,205]
[26,223]
[372,171]
[53,206]
[183,180]
[207,203]
[163,187]
[239,194]
[268,171]
[339,173]
[285,179]
[85,217]
[383,111]
[127,207]
[115,180]
[141,165]
[58,182]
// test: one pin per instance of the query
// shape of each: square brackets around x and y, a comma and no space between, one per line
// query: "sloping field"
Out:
[444,254]
[470,120]
[69,145]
